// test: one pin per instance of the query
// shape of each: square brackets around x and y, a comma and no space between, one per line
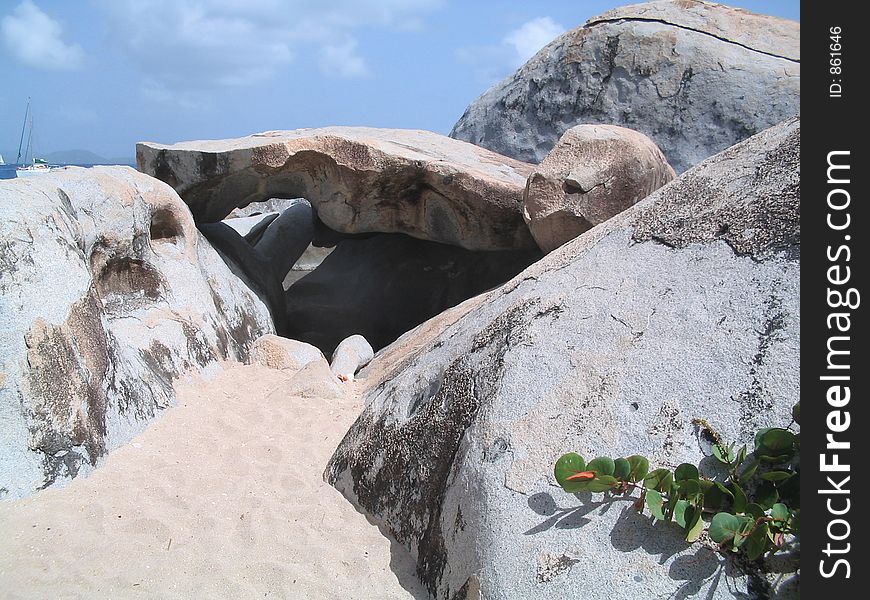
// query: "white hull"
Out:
[32,171]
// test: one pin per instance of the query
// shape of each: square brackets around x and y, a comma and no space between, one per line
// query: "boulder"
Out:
[592,174]
[351,355]
[253,225]
[696,77]
[108,295]
[386,284]
[315,380]
[683,307]
[280,353]
[263,258]
[359,180]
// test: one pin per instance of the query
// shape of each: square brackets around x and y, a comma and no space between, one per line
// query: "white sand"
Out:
[222,497]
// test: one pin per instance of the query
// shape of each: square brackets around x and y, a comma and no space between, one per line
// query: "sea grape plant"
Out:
[753,507]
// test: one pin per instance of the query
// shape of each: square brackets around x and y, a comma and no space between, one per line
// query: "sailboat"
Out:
[37,166]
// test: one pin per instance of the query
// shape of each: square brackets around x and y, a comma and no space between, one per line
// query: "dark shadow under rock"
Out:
[386,284]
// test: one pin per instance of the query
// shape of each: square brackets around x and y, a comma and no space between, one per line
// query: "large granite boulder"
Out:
[358,179]
[108,294]
[683,307]
[593,173]
[696,77]
[386,284]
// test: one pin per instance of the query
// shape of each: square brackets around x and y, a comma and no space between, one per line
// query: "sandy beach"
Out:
[222,497]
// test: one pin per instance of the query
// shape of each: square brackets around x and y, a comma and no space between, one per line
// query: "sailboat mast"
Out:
[29,151]
[23,128]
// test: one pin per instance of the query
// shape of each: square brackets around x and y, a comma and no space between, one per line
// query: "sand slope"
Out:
[220,498]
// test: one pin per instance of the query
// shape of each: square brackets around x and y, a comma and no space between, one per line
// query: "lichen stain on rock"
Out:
[162,169]
[421,452]
[197,345]
[129,278]
[68,366]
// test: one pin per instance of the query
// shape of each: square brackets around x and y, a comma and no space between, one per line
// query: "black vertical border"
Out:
[831,123]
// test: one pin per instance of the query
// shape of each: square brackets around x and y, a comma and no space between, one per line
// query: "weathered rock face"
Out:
[592,174]
[684,306]
[359,180]
[386,284]
[695,77]
[107,295]
[276,352]
[352,354]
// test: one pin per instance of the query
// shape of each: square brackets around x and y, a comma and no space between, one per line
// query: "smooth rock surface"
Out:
[696,77]
[276,352]
[593,173]
[358,179]
[684,306]
[108,294]
[351,354]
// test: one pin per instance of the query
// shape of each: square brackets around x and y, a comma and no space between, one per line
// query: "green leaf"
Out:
[773,459]
[622,469]
[746,525]
[755,510]
[686,471]
[601,465]
[740,499]
[724,490]
[660,479]
[639,468]
[790,491]
[796,413]
[777,476]
[766,495]
[654,502]
[689,488]
[724,454]
[680,513]
[723,527]
[780,512]
[748,472]
[741,456]
[774,441]
[568,465]
[602,483]
[713,497]
[695,525]
[757,542]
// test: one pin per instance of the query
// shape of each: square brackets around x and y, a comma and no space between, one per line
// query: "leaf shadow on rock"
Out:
[634,530]
[571,517]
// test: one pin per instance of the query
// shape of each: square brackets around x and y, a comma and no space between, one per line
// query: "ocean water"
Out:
[8,171]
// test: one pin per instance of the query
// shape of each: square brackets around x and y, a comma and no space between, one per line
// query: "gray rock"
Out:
[386,284]
[351,354]
[358,179]
[696,77]
[108,294]
[287,238]
[254,224]
[684,306]
[593,173]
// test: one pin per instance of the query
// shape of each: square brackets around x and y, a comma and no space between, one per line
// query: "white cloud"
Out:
[493,62]
[35,39]
[342,61]
[531,37]
[197,45]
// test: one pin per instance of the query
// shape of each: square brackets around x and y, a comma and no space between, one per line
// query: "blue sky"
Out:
[104,74]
